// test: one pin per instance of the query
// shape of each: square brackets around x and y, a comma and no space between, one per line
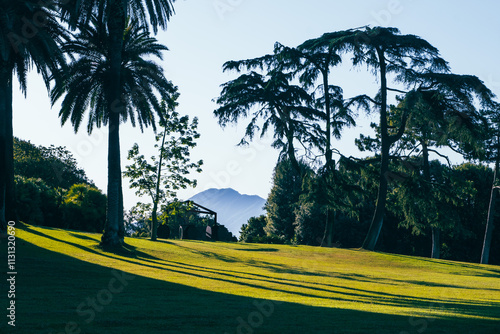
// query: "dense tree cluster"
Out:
[51,190]
[421,106]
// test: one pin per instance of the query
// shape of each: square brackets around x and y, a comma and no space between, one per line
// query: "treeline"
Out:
[398,197]
[52,191]
[299,210]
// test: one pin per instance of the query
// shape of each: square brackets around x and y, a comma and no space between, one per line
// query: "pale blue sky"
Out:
[205,33]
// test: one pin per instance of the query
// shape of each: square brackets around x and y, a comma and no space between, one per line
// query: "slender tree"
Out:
[30,37]
[169,170]
[88,85]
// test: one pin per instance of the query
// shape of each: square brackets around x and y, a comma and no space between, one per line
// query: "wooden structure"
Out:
[189,231]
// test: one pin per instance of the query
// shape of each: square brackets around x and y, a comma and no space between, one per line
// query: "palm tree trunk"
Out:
[113,232]
[10,200]
[378,217]
[485,254]
[111,236]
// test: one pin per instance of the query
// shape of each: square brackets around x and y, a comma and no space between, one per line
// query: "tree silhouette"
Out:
[88,85]
[387,52]
[114,14]
[442,112]
[269,97]
[29,37]
[311,62]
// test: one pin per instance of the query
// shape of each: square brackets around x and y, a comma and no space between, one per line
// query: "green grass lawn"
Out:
[66,284]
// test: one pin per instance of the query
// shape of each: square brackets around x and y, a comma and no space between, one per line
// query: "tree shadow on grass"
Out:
[286,285]
[126,250]
[481,270]
[257,249]
[279,287]
[89,297]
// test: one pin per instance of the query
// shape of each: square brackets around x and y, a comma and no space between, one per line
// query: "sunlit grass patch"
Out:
[207,287]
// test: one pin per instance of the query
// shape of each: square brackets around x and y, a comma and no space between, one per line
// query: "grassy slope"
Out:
[200,287]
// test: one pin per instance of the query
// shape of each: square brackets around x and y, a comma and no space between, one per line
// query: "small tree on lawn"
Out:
[169,168]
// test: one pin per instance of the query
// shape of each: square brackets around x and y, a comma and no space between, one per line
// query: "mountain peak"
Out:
[233,208]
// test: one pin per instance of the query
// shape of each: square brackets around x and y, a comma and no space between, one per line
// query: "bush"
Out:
[253,230]
[37,203]
[84,208]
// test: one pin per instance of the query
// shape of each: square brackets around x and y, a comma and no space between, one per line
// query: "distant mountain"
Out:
[233,209]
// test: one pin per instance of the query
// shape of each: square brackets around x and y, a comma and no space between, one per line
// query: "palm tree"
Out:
[88,86]
[114,14]
[29,37]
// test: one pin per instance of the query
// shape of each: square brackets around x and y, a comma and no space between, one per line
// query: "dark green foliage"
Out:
[30,36]
[37,202]
[84,208]
[466,239]
[253,230]
[422,204]
[51,190]
[283,199]
[309,224]
[56,166]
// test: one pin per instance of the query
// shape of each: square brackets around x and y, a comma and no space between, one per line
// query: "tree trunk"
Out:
[328,130]
[114,217]
[10,199]
[436,232]
[378,217]
[154,223]
[291,154]
[436,243]
[485,254]
[5,80]
[328,236]
[156,199]
[114,229]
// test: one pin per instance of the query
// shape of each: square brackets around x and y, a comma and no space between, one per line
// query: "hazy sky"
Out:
[204,34]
